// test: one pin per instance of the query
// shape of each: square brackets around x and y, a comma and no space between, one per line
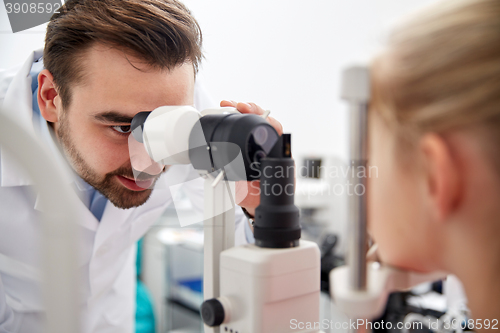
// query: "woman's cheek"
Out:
[382,215]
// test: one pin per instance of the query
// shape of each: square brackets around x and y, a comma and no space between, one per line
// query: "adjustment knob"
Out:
[212,312]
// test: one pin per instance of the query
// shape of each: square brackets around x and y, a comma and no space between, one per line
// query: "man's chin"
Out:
[130,199]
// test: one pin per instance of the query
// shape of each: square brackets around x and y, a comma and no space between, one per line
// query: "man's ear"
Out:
[442,175]
[48,98]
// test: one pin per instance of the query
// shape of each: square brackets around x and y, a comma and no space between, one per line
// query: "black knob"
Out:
[212,312]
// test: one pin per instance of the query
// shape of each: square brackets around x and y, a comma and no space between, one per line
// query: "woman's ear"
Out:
[48,98]
[442,175]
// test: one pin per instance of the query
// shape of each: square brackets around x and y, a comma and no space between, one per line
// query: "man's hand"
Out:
[248,193]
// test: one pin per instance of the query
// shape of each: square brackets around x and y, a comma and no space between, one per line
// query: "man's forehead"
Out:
[100,58]
[101,54]
[117,81]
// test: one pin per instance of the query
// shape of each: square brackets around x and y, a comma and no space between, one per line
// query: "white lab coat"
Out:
[107,251]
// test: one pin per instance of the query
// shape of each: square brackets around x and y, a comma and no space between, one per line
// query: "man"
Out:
[104,61]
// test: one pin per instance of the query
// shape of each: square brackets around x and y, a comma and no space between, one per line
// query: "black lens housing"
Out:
[276,223]
[223,137]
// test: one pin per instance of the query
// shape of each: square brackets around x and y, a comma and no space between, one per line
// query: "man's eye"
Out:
[122,129]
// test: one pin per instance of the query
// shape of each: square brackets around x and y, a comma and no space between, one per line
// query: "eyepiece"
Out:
[137,125]
[223,137]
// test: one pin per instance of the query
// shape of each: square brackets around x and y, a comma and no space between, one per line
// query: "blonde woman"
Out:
[435,138]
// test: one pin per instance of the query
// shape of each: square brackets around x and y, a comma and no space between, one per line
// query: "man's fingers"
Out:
[253,109]
[225,103]
[243,107]
[249,108]
[276,124]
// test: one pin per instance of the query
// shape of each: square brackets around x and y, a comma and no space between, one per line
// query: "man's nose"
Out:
[140,159]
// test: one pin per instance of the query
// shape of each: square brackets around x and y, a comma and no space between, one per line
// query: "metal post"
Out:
[356,91]
[219,233]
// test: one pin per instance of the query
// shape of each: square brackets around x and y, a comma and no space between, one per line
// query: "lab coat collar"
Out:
[18,103]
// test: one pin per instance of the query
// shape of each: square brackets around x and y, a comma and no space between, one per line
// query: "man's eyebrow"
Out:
[113,117]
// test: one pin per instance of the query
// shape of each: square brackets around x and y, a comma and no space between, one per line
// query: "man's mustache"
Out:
[131,173]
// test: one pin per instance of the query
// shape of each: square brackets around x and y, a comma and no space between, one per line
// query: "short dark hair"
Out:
[163,33]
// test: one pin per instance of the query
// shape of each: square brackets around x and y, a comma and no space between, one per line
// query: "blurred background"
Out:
[285,55]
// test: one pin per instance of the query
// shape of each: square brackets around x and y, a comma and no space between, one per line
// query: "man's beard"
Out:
[108,184]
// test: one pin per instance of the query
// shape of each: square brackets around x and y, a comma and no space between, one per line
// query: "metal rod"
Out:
[357,200]
[218,233]
[356,91]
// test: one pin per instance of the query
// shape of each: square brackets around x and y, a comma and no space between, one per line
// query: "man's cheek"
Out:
[111,158]
[111,144]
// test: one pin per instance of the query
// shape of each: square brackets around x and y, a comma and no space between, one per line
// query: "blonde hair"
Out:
[441,71]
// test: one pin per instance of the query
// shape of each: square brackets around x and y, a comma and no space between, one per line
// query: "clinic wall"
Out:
[15,48]
[285,55]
